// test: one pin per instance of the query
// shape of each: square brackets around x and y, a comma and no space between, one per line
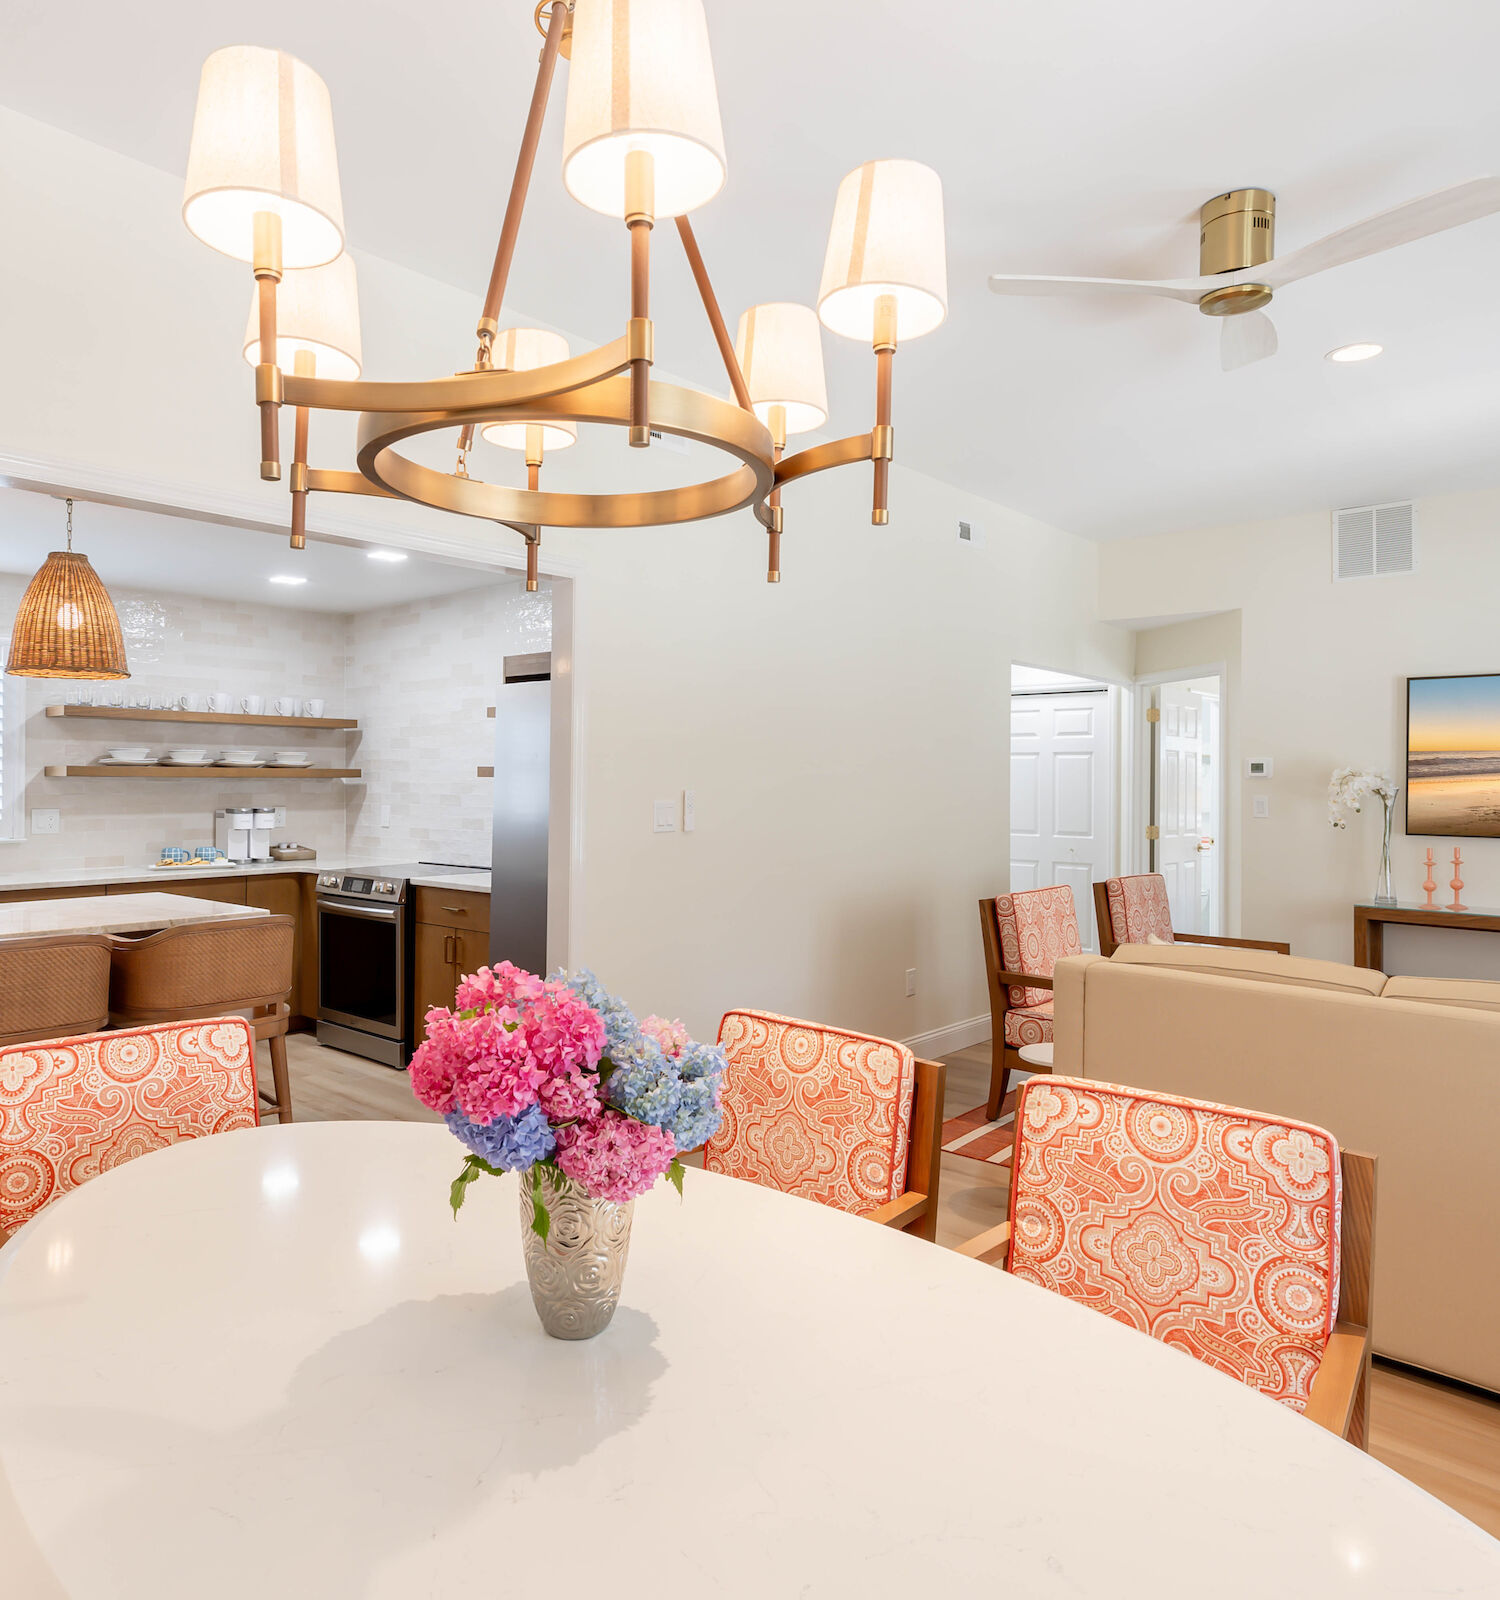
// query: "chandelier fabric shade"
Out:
[317,313]
[886,240]
[263,142]
[780,350]
[642,79]
[66,626]
[524,350]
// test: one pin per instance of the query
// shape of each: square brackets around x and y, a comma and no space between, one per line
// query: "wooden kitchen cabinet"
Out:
[285,897]
[444,955]
[230,890]
[454,908]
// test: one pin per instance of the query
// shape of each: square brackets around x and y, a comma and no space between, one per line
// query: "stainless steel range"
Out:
[365,944]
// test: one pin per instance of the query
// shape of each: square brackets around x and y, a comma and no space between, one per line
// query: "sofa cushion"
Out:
[1445,992]
[1259,966]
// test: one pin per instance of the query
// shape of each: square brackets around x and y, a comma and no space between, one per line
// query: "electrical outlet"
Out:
[279,820]
[664,816]
[689,811]
[1260,807]
[911,981]
[46,821]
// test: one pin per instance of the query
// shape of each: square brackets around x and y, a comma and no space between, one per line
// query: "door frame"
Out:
[1135,848]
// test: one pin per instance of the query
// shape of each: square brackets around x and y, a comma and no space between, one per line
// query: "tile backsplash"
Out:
[417,676]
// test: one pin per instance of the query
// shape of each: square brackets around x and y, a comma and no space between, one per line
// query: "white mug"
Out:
[189,702]
[312,708]
[220,703]
[286,706]
[252,704]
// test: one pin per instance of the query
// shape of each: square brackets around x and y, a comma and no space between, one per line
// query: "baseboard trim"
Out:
[944,1041]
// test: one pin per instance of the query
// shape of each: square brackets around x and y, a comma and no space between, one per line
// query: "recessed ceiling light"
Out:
[1355,352]
[285,577]
[386,555]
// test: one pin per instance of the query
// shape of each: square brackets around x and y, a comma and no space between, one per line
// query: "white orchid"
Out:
[1349,785]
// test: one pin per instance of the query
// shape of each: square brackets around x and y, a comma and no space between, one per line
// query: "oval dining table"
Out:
[272,1363]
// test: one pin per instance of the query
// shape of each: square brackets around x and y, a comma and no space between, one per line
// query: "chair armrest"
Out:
[991,1246]
[1275,945]
[1024,980]
[898,1212]
[1335,1385]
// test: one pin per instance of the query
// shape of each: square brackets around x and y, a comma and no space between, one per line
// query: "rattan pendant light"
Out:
[66,626]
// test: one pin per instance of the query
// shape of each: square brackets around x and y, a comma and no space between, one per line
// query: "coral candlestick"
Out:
[1455,883]
[1429,883]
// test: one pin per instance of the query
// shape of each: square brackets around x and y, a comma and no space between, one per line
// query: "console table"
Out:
[1370,925]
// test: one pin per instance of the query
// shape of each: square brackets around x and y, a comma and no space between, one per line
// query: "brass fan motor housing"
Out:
[1236,230]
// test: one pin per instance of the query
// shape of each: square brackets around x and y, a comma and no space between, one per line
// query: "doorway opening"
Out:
[1063,786]
[1184,770]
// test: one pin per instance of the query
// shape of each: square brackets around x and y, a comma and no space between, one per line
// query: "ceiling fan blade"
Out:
[1249,337]
[1433,213]
[1190,289]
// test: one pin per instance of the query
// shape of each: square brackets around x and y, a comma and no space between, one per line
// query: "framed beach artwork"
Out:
[1453,755]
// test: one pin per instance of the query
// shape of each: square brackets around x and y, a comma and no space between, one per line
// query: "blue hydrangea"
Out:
[701,1061]
[623,1038]
[697,1117]
[512,1143]
[646,1086]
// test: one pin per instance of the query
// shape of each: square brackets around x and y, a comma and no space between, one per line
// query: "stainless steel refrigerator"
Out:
[523,759]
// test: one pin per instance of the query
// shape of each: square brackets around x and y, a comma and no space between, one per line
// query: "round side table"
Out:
[1036,1057]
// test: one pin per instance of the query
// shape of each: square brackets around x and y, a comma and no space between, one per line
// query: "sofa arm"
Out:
[1071,974]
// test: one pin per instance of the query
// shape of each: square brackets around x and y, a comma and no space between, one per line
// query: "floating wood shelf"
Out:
[200,773]
[221,719]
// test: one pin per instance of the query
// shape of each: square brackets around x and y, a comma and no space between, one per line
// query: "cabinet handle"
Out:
[457,910]
[450,949]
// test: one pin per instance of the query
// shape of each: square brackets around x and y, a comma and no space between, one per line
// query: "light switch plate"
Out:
[664,813]
[1260,807]
[46,821]
[911,981]
[689,811]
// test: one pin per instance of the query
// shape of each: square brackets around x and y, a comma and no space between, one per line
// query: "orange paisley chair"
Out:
[73,1108]
[1241,1239]
[1025,935]
[842,1118]
[1135,910]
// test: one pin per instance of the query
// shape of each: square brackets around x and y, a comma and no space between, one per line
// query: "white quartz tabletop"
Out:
[272,1363]
[112,913]
[81,877]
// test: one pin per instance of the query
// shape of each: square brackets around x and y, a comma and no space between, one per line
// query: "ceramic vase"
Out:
[1384,895]
[576,1272]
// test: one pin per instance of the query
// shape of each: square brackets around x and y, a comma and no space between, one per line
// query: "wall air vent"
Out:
[1373,541]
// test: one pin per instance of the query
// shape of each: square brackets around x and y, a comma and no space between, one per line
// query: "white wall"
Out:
[1321,672]
[844,731]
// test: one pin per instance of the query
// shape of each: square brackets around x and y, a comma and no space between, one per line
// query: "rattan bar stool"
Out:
[206,969]
[53,986]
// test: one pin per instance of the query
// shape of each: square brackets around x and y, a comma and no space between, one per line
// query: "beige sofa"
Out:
[1407,1069]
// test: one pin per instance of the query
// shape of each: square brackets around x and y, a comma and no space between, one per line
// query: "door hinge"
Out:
[1153,832]
[1153,713]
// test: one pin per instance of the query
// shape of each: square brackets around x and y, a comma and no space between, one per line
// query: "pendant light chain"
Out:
[69,505]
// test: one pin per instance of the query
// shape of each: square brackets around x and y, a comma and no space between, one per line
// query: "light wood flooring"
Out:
[1441,1437]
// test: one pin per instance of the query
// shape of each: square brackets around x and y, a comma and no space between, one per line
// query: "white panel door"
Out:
[1060,787]
[1187,804]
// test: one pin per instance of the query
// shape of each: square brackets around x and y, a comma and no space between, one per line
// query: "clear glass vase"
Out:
[576,1273]
[1383,895]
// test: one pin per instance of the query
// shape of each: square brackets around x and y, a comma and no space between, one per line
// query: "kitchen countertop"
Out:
[79,877]
[112,913]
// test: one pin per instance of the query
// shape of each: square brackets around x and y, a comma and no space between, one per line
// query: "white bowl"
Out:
[129,752]
[191,752]
[291,758]
[241,755]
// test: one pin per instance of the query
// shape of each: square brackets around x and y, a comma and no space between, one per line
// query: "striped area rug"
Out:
[975,1136]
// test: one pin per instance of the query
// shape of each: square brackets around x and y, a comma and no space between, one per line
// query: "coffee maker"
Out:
[243,833]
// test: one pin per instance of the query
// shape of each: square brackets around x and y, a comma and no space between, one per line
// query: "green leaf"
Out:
[541,1221]
[460,1185]
[675,1172]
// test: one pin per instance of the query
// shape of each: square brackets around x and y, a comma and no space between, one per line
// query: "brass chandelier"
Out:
[642,139]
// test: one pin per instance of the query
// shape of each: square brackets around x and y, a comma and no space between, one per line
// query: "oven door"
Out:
[362,966]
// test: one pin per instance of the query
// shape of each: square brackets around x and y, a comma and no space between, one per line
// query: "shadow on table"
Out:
[390,1434]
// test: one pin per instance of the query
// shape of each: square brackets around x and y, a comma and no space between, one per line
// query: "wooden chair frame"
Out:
[915,1210]
[1108,944]
[71,1013]
[1340,1396]
[270,1014]
[1003,1059]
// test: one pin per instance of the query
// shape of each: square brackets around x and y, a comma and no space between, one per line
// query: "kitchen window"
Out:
[12,755]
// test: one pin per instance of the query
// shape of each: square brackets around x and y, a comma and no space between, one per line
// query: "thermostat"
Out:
[1258,767]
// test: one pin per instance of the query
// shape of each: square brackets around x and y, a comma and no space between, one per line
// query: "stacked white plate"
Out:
[129,755]
[291,758]
[242,758]
[195,755]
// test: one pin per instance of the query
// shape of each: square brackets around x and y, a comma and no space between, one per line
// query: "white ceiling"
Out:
[159,554]
[1072,136]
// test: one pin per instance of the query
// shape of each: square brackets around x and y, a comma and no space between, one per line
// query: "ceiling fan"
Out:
[1240,272]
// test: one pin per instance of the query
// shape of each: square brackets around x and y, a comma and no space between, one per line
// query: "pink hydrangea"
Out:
[614,1158]
[671,1036]
[435,1063]
[563,1032]
[478,1065]
[505,985]
[570,1096]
